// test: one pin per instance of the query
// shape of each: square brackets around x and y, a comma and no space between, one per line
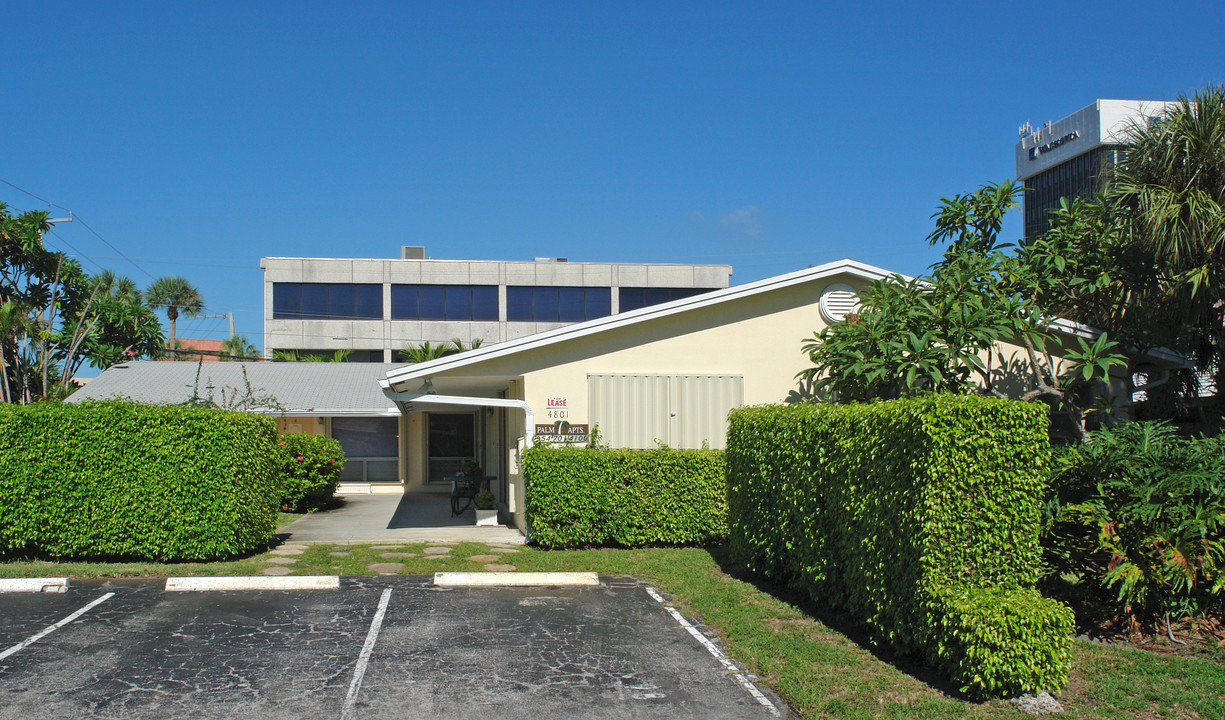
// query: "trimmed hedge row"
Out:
[920,517]
[579,497]
[310,467]
[122,480]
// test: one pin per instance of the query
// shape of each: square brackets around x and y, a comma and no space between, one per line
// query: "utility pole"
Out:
[229,315]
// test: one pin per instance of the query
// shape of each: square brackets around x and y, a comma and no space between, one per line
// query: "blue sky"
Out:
[767,136]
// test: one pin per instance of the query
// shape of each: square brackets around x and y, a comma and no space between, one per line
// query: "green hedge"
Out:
[310,469]
[121,480]
[579,497]
[903,513]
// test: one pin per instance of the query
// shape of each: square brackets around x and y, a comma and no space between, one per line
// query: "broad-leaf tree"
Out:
[942,332]
[54,317]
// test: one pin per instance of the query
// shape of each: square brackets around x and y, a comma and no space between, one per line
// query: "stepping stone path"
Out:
[277,570]
[386,568]
[397,555]
[386,547]
[499,567]
[437,550]
[339,554]
[483,558]
[288,550]
[503,550]
[283,560]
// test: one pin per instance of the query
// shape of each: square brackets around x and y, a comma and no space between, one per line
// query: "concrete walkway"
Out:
[412,517]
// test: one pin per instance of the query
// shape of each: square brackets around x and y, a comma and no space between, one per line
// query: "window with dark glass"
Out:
[544,304]
[519,304]
[557,304]
[635,298]
[485,303]
[444,302]
[432,302]
[327,301]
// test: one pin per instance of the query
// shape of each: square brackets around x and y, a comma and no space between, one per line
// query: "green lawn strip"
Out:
[284,518]
[817,669]
[1120,682]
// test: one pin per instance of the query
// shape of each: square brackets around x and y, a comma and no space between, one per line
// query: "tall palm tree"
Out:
[1170,185]
[175,294]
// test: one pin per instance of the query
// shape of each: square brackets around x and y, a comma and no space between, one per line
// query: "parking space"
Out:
[374,648]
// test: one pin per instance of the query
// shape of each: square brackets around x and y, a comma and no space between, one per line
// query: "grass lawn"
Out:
[813,660]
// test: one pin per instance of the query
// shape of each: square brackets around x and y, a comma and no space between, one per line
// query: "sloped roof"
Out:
[549,337]
[301,388]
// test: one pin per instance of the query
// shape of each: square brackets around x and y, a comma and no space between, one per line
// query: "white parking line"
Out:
[52,628]
[363,659]
[719,655]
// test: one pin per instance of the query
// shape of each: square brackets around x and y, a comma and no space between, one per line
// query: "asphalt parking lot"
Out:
[374,648]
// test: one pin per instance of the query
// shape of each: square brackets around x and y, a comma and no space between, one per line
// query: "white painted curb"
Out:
[33,585]
[284,582]
[514,579]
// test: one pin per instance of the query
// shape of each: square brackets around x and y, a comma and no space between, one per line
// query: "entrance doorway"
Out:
[451,444]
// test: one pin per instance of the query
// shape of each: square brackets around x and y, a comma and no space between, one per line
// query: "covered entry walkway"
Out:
[396,517]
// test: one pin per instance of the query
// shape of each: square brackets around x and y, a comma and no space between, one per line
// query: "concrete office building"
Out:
[1065,158]
[376,308]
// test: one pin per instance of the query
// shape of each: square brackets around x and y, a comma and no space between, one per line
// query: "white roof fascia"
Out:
[609,322]
[337,412]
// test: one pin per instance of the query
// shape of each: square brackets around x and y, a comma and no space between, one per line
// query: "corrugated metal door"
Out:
[682,411]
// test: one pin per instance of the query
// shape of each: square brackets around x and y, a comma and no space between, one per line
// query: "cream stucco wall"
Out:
[756,337]
[306,425]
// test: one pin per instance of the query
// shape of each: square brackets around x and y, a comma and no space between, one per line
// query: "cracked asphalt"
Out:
[595,652]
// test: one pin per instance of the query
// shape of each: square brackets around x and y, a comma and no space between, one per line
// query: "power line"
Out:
[27,192]
[75,250]
[117,250]
[87,226]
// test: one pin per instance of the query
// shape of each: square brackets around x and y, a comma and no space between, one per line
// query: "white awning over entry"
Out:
[411,402]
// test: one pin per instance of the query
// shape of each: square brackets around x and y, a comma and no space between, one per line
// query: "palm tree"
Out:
[238,347]
[1170,185]
[425,352]
[175,294]
[119,287]
[325,356]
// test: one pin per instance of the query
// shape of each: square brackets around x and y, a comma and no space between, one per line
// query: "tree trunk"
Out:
[172,314]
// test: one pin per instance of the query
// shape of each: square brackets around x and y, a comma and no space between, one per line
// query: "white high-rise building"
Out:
[1065,158]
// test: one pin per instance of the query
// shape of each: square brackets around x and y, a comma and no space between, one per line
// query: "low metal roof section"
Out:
[549,337]
[303,389]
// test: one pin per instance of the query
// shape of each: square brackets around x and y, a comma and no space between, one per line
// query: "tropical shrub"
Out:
[310,469]
[919,517]
[122,480]
[580,497]
[1137,517]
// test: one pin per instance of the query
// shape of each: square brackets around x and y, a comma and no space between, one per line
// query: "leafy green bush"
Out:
[889,509]
[593,496]
[117,479]
[310,468]
[1001,641]
[1138,516]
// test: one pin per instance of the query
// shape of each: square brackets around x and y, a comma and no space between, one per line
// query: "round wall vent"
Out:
[837,301]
